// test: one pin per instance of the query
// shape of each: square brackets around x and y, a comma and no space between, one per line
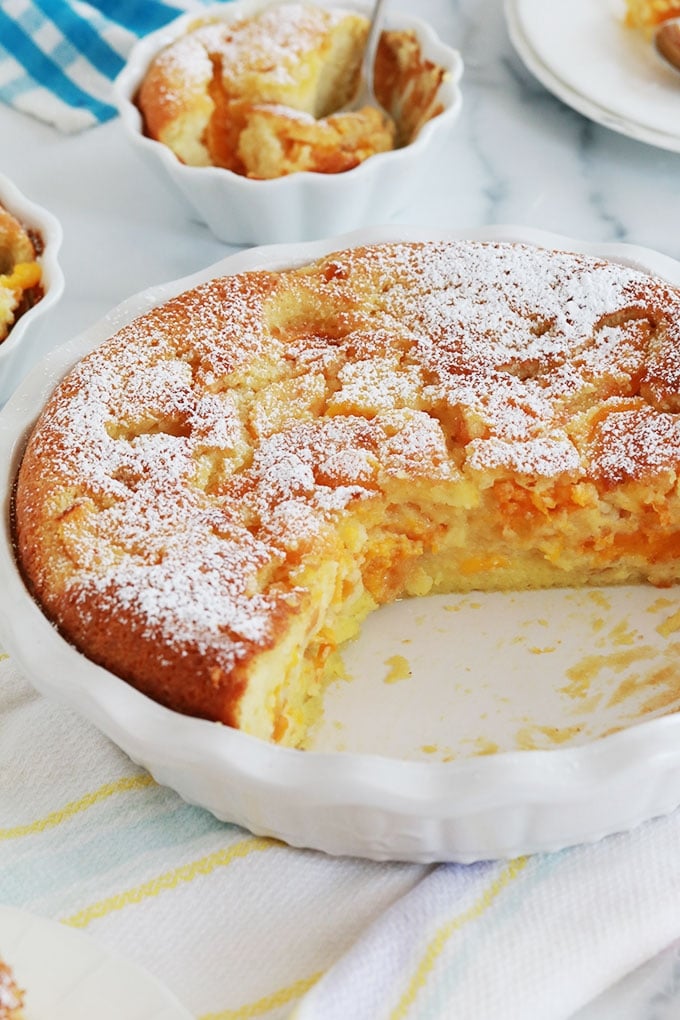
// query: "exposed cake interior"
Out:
[214,500]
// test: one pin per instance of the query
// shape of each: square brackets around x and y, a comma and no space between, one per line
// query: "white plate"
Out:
[68,976]
[584,54]
[400,767]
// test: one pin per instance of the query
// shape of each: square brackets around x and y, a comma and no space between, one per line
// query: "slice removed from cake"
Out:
[214,499]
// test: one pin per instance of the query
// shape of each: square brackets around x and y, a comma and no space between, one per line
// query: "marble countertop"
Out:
[517,155]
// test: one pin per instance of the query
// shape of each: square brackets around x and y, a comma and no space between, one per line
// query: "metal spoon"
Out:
[365,94]
[667,42]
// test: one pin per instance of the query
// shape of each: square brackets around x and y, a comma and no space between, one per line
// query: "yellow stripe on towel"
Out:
[75,806]
[169,880]
[279,998]
[437,944]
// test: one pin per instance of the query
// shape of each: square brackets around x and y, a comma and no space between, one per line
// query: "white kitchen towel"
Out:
[242,927]
[58,59]
[531,939]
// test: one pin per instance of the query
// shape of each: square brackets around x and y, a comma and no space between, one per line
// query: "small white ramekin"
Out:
[14,349]
[302,206]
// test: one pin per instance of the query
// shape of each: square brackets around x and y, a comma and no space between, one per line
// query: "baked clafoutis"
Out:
[265,95]
[11,996]
[214,499]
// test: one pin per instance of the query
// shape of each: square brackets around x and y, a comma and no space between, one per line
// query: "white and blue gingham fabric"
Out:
[58,59]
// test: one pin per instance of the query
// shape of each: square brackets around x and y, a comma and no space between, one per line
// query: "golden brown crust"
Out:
[209,492]
[175,93]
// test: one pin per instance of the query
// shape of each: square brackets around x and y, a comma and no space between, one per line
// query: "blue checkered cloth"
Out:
[58,59]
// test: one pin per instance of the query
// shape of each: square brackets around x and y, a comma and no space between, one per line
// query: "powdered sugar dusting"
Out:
[273,43]
[637,441]
[199,452]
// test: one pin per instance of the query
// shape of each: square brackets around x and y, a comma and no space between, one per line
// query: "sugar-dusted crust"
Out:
[218,495]
[261,96]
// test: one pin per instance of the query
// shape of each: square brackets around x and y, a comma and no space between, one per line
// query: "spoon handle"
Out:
[374,30]
[667,42]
